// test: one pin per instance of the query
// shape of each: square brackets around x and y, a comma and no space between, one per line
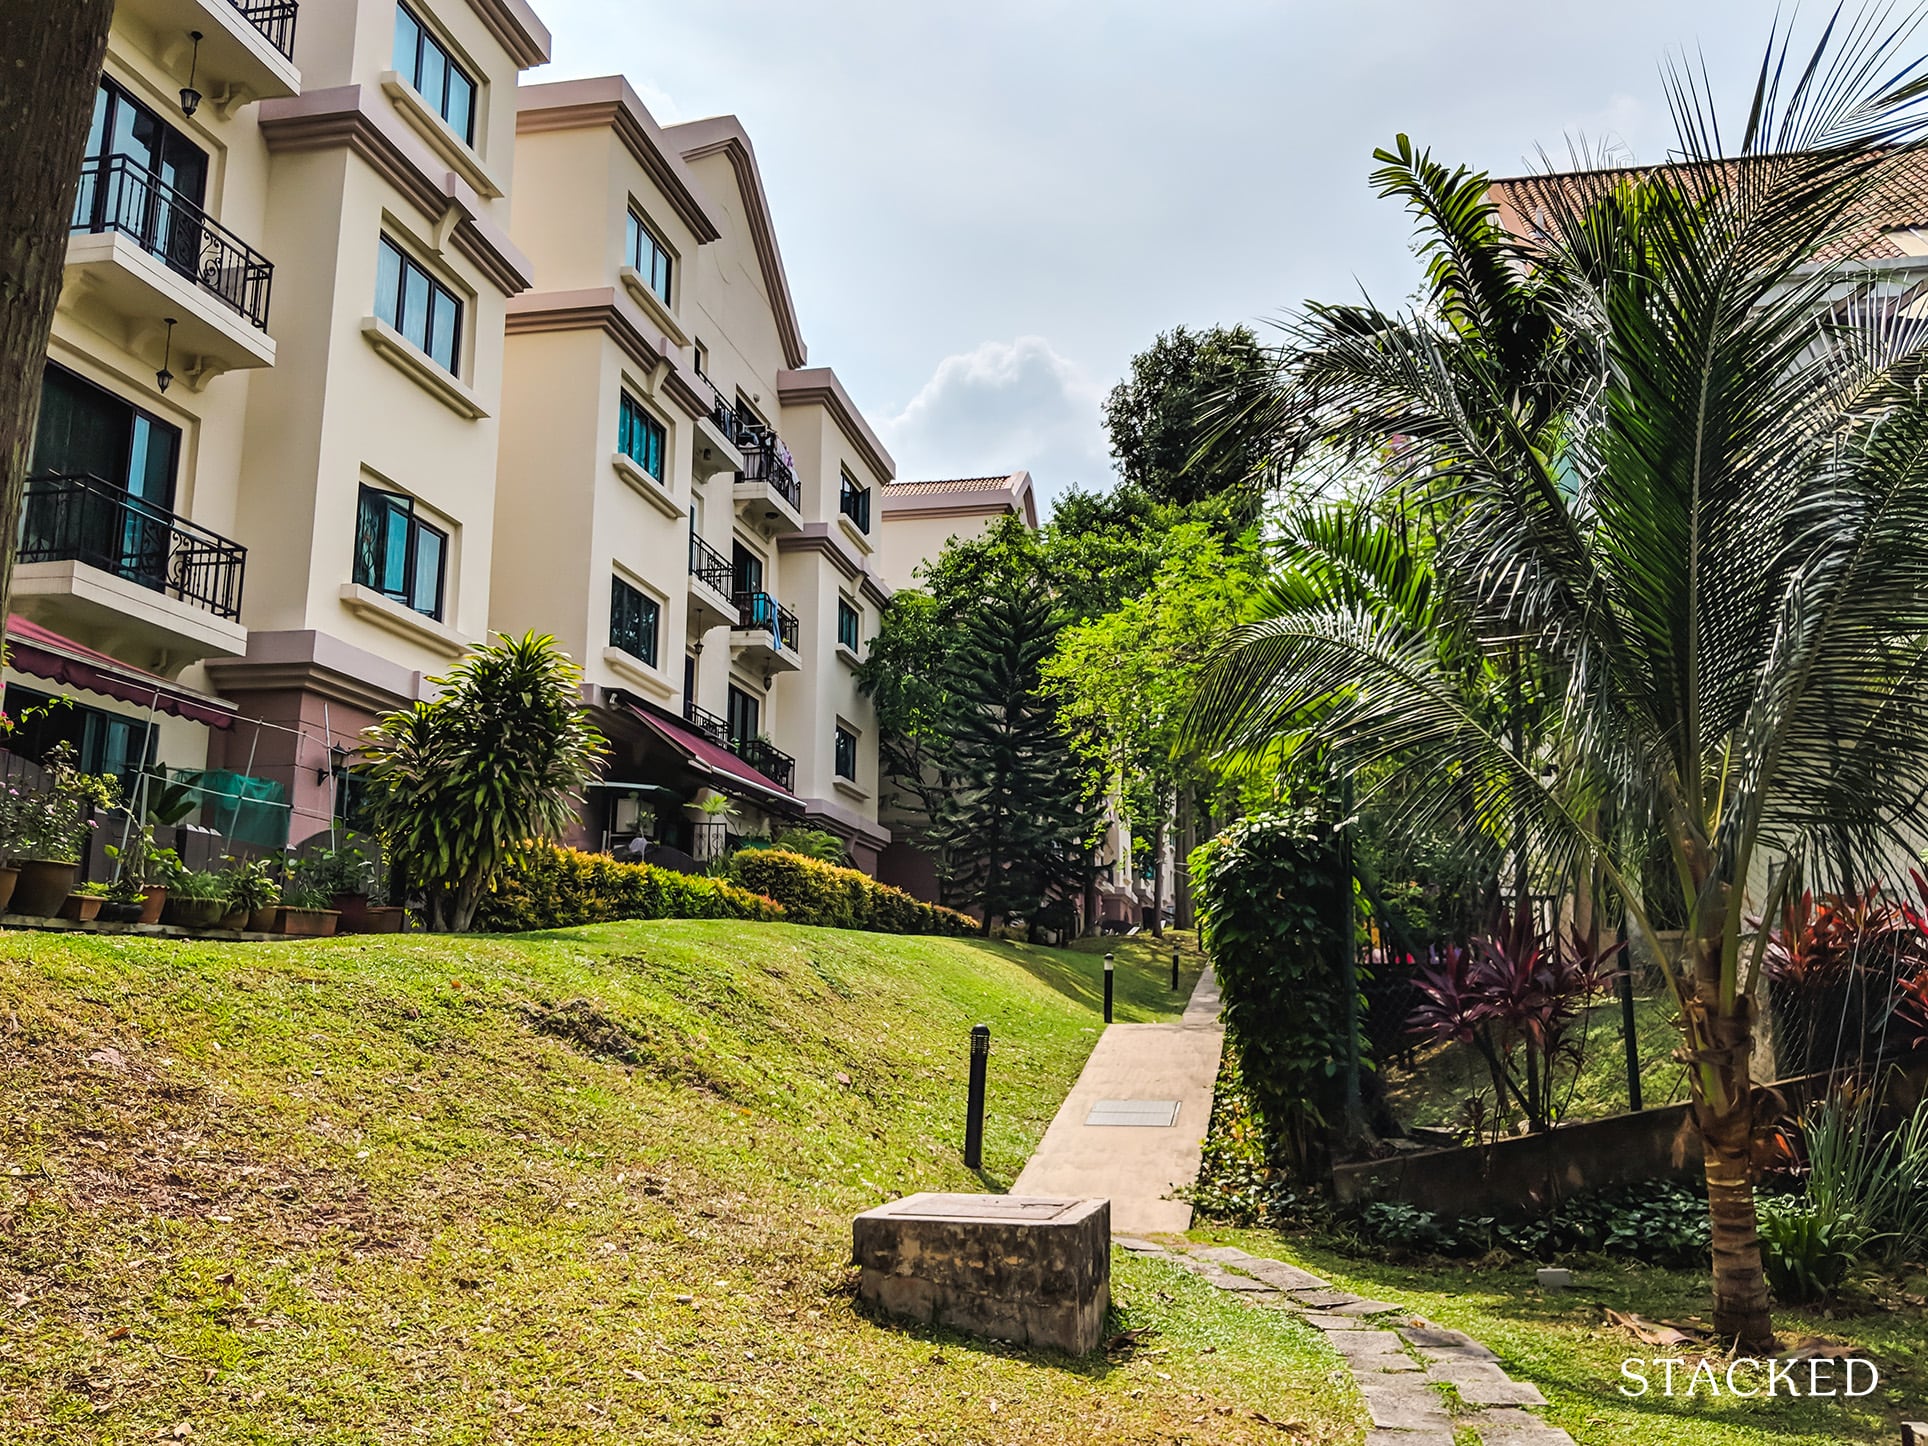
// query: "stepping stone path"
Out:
[1399,1361]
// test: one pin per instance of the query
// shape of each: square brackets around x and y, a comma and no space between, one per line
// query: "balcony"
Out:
[102,564]
[765,757]
[247,46]
[140,248]
[768,494]
[712,588]
[763,635]
[716,443]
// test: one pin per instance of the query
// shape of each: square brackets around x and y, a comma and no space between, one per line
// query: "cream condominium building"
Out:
[366,350]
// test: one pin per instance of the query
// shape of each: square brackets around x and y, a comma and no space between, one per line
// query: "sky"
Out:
[985,210]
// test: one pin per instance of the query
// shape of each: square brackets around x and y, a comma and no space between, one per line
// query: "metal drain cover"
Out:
[1143,1114]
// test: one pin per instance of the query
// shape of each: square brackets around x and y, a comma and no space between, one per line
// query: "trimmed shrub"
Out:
[557,888]
[813,892]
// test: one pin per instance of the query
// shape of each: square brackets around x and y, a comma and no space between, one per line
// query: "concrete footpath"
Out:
[1154,1082]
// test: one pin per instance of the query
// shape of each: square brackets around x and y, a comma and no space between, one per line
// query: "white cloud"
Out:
[1002,406]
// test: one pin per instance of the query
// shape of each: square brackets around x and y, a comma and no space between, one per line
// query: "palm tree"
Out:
[1683,467]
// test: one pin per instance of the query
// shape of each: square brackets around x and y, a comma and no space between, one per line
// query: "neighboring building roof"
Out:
[1010,493]
[1882,231]
[724,135]
[608,100]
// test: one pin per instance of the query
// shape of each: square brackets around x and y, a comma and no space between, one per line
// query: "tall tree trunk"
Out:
[52,56]
[1158,879]
[1181,863]
[1724,1111]
[1091,895]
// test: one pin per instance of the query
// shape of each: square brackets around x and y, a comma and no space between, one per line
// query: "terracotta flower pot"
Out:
[152,902]
[306,923]
[194,913]
[262,920]
[379,919]
[81,908]
[43,887]
[235,920]
[9,876]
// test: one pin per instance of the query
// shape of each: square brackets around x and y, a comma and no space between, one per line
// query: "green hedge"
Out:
[813,892]
[562,887]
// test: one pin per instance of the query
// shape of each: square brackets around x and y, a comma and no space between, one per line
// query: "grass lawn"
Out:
[1562,1342]
[1432,1093]
[593,1184]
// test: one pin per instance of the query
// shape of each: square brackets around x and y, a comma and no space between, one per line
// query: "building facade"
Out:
[367,350]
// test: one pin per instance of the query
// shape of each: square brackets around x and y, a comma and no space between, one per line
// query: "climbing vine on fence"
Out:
[1273,908]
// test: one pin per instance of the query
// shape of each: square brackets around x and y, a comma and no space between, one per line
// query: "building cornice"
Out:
[342,117]
[608,101]
[315,662]
[819,386]
[820,538]
[608,310]
[724,135]
[513,23]
[845,820]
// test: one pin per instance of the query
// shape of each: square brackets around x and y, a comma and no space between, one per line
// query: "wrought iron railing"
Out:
[724,415]
[707,565]
[760,610]
[765,757]
[854,502]
[762,462]
[273,18]
[74,518]
[119,194]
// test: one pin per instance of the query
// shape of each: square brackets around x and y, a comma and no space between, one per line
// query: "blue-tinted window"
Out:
[418,306]
[640,437]
[424,63]
[846,754]
[849,625]
[399,555]
[650,257]
[634,621]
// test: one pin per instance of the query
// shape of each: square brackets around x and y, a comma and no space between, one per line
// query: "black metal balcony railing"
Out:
[70,518]
[710,566]
[854,502]
[724,415]
[763,463]
[761,611]
[119,194]
[275,19]
[766,758]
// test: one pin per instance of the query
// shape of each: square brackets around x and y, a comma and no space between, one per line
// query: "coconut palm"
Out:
[1682,465]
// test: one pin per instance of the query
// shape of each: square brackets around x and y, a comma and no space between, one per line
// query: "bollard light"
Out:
[1174,967]
[974,1105]
[1111,969]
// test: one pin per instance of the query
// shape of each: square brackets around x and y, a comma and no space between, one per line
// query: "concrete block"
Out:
[1553,1277]
[1031,1270]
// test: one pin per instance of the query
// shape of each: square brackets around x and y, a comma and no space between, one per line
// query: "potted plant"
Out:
[49,824]
[82,906]
[304,911]
[147,870]
[196,899]
[124,901]
[349,877]
[9,872]
[252,894]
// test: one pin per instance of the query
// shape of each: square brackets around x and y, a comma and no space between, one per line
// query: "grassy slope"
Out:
[1562,1342]
[347,1192]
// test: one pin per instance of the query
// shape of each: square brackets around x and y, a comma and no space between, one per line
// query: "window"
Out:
[424,62]
[418,306]
[846,753]
[747,567]
[640,437]
[744,717]
[650,257]
[850,624]
[89,432]
[701,354]
[633,621]
[142,177]
[398,554]
[103,742]
[854,502]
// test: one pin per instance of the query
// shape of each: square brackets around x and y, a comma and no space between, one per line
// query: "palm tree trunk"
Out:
[1158,879]
[1723,1088]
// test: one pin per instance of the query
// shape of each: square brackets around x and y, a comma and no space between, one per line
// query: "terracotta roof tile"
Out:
[961,484]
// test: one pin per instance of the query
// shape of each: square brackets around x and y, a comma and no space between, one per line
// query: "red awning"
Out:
[730,773]
[46,654]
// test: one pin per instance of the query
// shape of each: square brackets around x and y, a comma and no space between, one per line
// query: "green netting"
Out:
[243,809]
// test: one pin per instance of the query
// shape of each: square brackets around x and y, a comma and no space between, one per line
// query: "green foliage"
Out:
[250,884]
[50,822]
[1273,915]
[1661,1223]
[813,843]
[188,883]
[813,892]
[1862,1175]
[558,888]
[1171,422]
[467,783]
[1808,1249]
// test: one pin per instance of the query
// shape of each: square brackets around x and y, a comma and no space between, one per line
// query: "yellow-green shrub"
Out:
[561,887]
[813,892]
